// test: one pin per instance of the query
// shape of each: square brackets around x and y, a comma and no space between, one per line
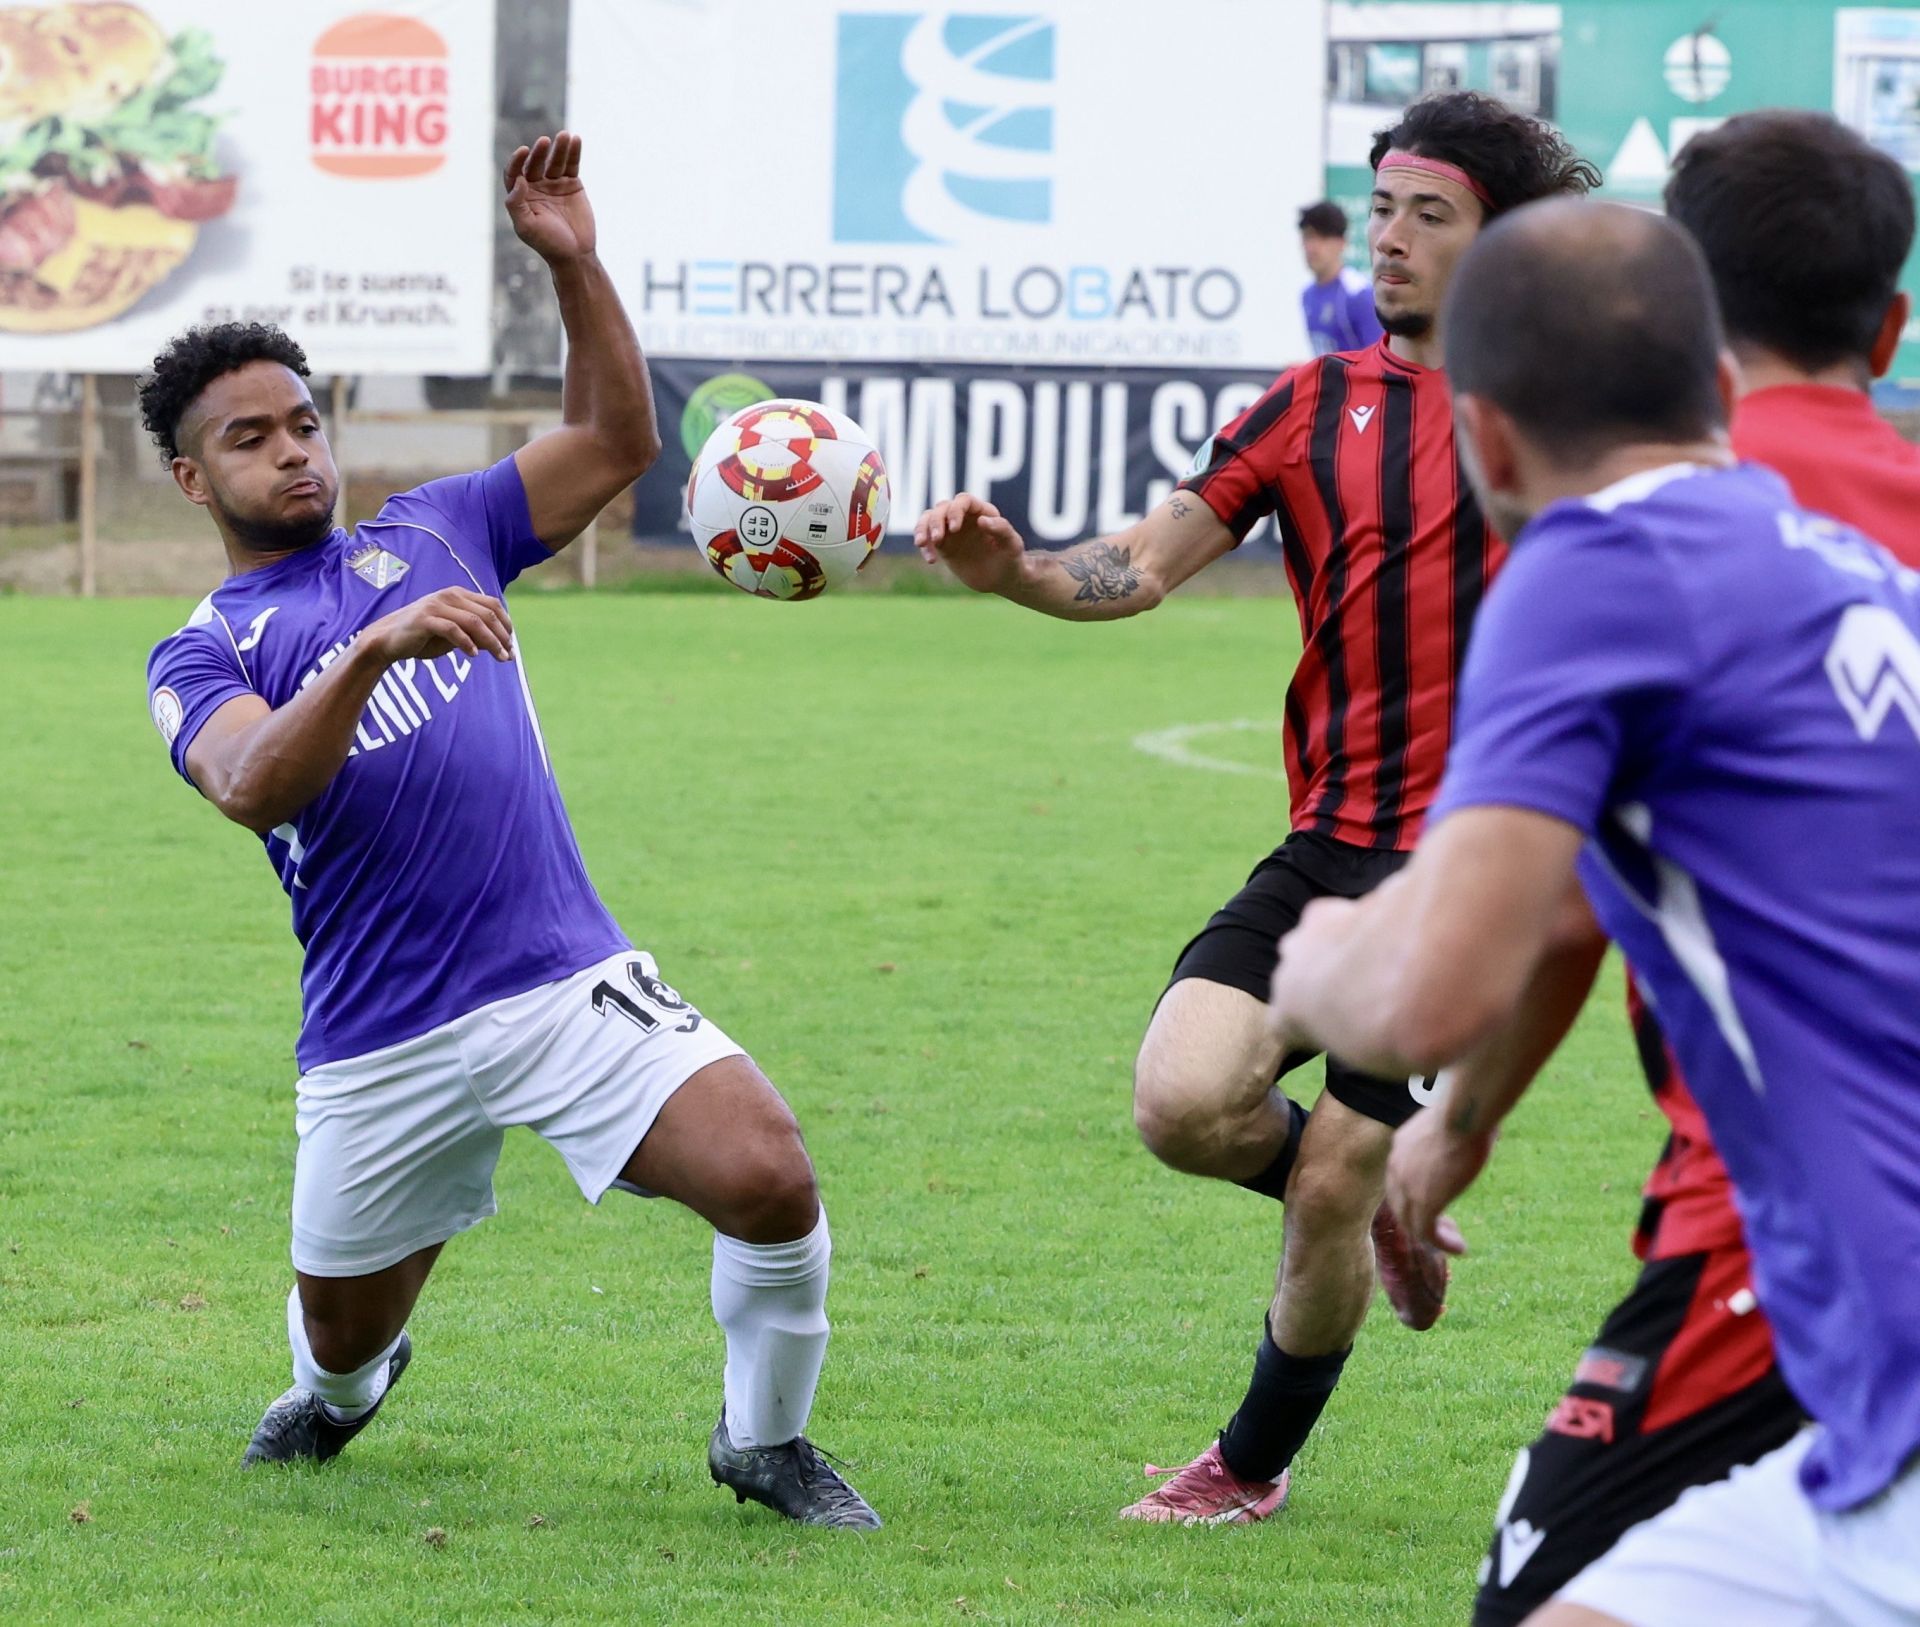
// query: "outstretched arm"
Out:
[607,438]
[1120,575]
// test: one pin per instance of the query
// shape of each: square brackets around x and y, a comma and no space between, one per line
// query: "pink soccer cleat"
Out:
[1412,1275]
[1207,1492]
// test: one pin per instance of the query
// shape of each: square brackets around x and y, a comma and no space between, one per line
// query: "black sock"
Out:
[1271,1182]
[1283,1403]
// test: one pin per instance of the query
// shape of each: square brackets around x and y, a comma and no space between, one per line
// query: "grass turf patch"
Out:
[903,849]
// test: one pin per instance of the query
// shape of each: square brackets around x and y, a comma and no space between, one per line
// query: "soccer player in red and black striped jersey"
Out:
[1387,555]
[1805,228]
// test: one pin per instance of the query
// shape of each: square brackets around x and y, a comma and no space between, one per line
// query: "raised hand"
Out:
[452,619]
[547,200]
[969,535]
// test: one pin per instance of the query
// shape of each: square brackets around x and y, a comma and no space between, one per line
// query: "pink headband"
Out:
[1397,159]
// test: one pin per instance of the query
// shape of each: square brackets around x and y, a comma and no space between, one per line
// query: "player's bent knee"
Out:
[1191,1118]
[767,1192]
[1175,1128]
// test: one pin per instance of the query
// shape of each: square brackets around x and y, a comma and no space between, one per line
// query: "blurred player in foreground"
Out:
[359,702]
[1338,304]
[1805,228]
[1387,555]
[1704,702]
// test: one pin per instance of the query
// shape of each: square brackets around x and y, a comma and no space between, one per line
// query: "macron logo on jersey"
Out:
[1361,416]
[1519,1541]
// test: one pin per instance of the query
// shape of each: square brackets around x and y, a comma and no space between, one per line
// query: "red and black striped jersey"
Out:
[1687,1204]
[1388,557]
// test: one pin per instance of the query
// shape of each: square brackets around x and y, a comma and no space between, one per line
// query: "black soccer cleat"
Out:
[795,1480]
[297,1425]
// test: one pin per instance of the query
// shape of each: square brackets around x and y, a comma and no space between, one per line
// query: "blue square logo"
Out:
[943,126]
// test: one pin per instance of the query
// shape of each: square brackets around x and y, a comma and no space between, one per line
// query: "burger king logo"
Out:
[379,86]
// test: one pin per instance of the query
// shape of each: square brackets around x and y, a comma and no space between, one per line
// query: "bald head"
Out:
[1591,325]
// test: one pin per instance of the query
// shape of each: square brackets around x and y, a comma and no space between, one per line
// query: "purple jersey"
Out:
[1340,314]
[437,871]
[1723,691]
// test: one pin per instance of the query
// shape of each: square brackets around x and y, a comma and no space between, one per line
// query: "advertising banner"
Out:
[326,167]
[871,180]
[1065,454]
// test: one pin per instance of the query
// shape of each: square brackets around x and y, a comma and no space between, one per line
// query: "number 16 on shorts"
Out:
[648,1003]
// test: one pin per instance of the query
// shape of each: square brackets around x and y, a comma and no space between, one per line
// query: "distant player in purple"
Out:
[359,701]
[1705,701]
[1337,305]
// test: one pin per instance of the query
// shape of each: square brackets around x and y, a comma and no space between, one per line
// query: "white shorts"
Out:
[1752,1550]
[397,1147]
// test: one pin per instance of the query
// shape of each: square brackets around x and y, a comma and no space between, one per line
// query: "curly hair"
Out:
[194,360]
[1516,158]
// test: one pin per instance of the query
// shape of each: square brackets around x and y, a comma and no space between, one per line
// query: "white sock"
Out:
[347,1396]
[771,1300]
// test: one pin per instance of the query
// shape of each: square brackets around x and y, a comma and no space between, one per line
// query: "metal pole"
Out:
[339,435]
[89,486]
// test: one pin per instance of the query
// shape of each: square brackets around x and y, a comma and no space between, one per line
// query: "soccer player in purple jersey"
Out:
[358,700]
[1703,702]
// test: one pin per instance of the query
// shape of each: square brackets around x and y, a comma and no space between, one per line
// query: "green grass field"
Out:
[905,850]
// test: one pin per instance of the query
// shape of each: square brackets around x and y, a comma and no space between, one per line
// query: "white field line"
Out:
[1176,746]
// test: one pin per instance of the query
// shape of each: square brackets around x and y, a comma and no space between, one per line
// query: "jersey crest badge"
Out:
[375,566]
[1361,416]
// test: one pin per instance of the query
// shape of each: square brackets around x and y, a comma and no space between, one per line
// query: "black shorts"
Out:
[1679,1390]
[1240,946]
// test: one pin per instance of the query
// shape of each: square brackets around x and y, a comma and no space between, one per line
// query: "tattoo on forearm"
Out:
[1465,1116]
[1102,570]
[1180,507]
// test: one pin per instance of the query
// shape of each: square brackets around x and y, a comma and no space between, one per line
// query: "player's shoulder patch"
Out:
[1202,457]
[168,713]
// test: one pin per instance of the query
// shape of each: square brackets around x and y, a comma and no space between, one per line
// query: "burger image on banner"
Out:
[106,167]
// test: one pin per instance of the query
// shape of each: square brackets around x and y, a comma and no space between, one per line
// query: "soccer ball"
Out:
[787,499]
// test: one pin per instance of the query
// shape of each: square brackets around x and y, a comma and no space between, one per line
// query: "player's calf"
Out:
[728,1147]
[1327,1269]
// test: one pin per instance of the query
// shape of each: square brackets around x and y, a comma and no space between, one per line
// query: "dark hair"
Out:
[1805,226]
[194,359]
[1325,217]
[1517,159]
[1591,324]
